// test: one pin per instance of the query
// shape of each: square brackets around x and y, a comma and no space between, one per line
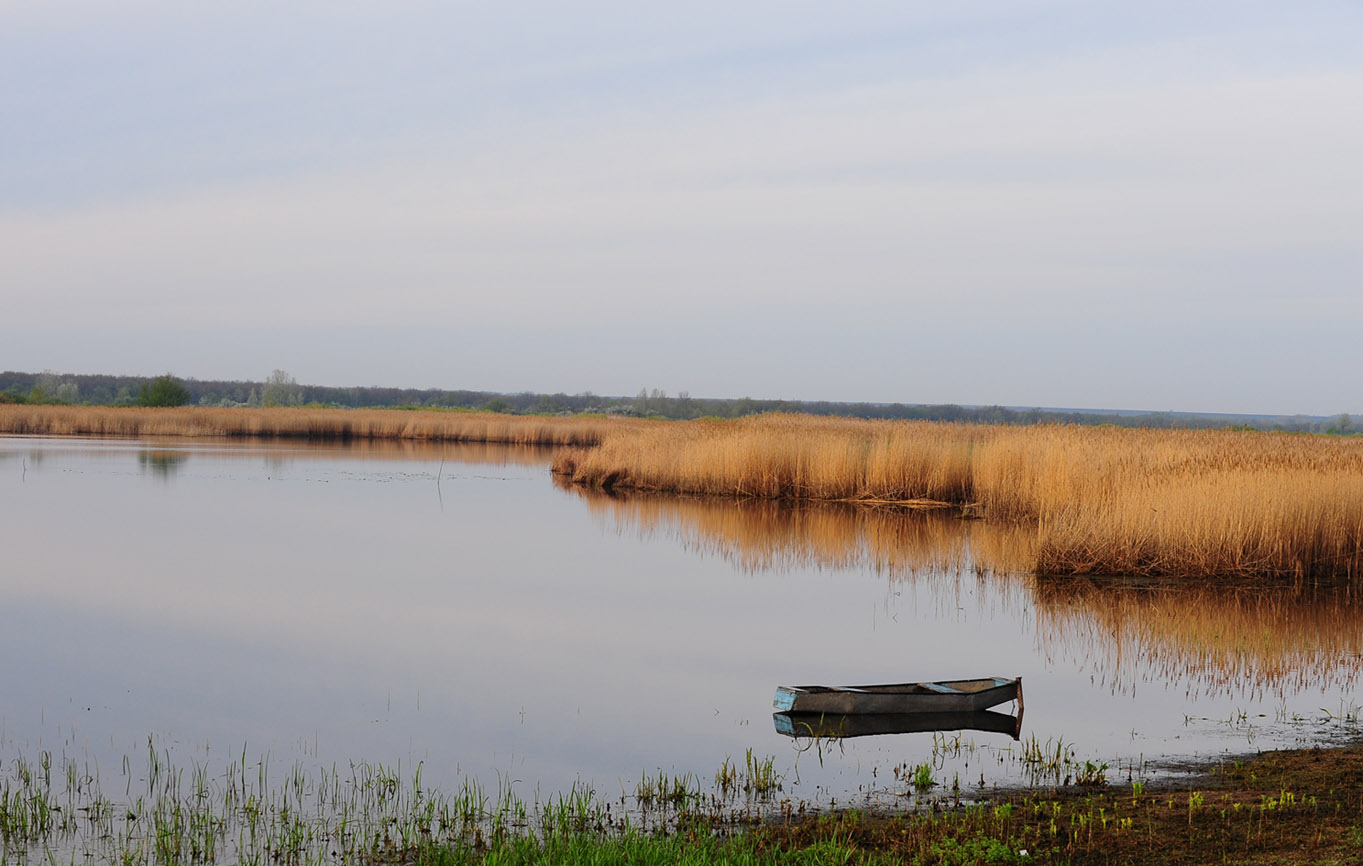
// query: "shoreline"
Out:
[1279,806]
[1193,504]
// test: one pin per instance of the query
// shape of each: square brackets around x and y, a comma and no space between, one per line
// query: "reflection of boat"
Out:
[867,724]
[947,696]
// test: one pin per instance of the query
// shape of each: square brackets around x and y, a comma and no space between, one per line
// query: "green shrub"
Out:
[163,391]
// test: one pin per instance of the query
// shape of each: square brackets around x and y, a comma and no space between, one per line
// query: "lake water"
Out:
[453,606]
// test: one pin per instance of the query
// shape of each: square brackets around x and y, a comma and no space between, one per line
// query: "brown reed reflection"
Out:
[1248,641]
[494,453]
[160,463]
[285,452]
[765,535]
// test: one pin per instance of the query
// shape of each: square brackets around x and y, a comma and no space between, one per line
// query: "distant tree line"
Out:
[281,389]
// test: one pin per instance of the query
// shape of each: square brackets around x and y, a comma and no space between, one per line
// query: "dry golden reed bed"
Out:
[1102,500]
[320,424]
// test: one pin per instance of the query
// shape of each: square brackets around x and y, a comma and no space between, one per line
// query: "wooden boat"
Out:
[824,726]
[947,696]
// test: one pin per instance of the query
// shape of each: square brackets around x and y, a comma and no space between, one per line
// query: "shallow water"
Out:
[450,605]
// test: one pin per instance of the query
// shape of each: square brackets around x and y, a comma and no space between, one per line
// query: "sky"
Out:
[1035,203]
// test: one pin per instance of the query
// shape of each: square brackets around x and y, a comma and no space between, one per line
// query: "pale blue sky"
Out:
[1151,206]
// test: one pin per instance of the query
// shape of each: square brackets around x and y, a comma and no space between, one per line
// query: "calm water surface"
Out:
[453,606]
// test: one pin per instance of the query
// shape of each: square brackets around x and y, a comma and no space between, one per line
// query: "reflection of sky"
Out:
[488,625]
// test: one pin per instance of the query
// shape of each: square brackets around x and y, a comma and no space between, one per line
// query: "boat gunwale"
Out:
[983,693]
[922,687]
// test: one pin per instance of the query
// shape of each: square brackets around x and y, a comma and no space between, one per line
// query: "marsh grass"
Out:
[1292,807]
[318,425]
[57,809]
[785,457]
[1097,501]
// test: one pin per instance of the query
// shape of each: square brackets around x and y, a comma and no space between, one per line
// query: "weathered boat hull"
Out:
[947,696]
[871,724]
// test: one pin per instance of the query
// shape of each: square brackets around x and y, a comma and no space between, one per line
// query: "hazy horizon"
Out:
[1043,203]
[60,374]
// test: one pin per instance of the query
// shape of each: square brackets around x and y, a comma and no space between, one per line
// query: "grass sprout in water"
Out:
[54,808]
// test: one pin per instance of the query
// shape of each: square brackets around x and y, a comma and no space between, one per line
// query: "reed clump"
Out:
[1100,500]
[786,457]
[309,424]
[1179,502]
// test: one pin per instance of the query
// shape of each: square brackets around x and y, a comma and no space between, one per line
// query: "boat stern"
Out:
[785,699]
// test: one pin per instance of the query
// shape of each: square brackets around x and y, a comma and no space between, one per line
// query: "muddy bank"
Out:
[1293,806]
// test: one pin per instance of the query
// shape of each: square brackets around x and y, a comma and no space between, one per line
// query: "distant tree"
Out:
[281,389]
[163,391]
[47,382]
[550,403]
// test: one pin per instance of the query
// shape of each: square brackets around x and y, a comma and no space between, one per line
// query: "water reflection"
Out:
[161,463]
[1217,639]
[762,535]
[164,458]
[833,727]
[1250,641]
[505,636]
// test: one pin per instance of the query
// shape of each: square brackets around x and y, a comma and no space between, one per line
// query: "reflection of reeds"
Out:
[1245,639]
[761,535]
[311,424]
[1248,641]
[495,453]
[1101,500]
[162,463]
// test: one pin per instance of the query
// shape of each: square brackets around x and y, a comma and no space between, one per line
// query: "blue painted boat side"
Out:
[784,700]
